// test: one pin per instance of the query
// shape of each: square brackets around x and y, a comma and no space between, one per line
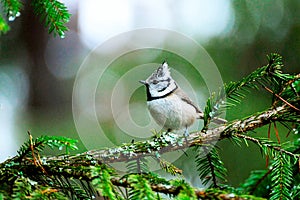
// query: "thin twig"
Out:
[260,181]
[289,84]
[276,132]
[282,99]
[269,136]
[174,190]
[36,161]
[257,141]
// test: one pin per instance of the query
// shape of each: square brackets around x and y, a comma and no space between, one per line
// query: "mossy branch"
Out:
[172,142]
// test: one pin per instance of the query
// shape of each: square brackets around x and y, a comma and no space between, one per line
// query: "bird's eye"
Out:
[155,82]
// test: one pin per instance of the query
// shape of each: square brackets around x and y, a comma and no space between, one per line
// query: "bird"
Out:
[168,104]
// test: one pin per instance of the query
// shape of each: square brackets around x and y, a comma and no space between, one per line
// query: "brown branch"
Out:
[164,188]
[282,99]
[276,132]
[168,143]
[36,161]
[257,141]
[174,190]
[289,83]
[260,181]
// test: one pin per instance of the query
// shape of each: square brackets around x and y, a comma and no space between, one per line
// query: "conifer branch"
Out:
[168,143]
[259,142]
[174,190]
[53,13]
[282,99]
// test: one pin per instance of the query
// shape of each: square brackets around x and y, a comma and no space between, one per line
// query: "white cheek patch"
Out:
[160,93]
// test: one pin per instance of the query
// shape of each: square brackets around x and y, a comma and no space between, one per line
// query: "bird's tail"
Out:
[218,120]
[215,120]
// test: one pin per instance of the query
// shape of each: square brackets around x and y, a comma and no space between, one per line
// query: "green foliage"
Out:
[139,165]
[12,8]
[80,189]
[269,77]
[281,177]
[101,180]
[141,188]
[55,15]
[3,26]
[267,146]
[40,143]
[53,12]
[231,94]
[169,167]
[285,90]
[296,192]
[228,193]
[210,166]
[25,188]
[278,181]
[257,183]
[186,191]
[208,112]
[21,188]
[35,186]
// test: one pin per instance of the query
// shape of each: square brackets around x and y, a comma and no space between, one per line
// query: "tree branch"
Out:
[174,190]
[172,142]
[257,141]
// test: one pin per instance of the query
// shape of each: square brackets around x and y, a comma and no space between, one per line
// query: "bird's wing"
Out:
[184,97]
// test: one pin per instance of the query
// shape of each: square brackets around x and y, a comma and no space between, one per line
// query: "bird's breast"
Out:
[172,113]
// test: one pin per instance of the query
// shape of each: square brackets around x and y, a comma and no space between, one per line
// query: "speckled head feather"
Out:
[161,73]
[160,83]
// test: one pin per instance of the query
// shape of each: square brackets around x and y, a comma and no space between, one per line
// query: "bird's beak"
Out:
[143,82]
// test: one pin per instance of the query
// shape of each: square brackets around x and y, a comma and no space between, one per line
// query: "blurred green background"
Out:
[37,71]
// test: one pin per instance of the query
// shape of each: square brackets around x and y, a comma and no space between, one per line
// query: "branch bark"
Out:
[173,190]
[172,142]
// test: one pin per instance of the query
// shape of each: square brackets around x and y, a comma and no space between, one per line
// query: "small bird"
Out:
[168,104]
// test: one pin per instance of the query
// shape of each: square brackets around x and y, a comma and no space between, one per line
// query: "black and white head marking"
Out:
[160,84]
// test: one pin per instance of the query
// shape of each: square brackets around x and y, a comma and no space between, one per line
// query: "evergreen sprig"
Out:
[80,189]
[12,8]
[234,92]
[38,145]
[101,176]
[139,165]
[210,166]
[231,95]
[186,192]
[3,26]
[141,188]
[258,183]
[281,177]
[275,183]
[269,147]
[54,13]
[169,167]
